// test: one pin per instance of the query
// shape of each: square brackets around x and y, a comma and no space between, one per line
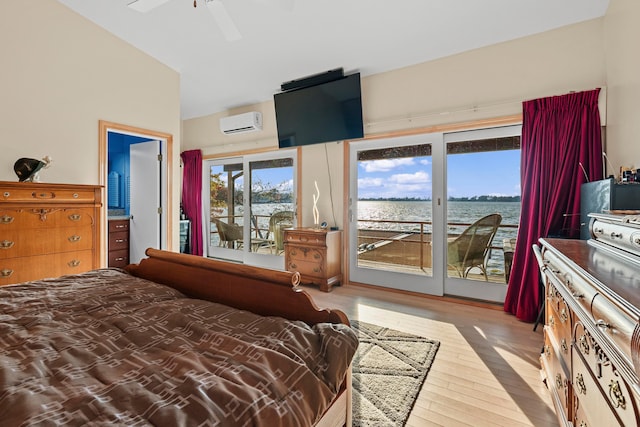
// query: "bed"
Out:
[176,340]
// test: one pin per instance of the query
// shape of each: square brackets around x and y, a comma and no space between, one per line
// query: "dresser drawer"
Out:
[27,242]
[43,195]
[119,240]
[589,396]
[22,218]
[589,357]
[119,258]
[557,379]
[16,270]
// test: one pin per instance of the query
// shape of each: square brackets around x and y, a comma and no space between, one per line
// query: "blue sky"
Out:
[474,174]
[468,175]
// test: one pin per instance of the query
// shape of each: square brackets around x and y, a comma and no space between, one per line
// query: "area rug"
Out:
[389,369]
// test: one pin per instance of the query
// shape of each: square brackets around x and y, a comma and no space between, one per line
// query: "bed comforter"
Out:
[107,348]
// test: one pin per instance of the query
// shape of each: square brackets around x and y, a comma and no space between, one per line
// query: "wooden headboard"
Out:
[262,291]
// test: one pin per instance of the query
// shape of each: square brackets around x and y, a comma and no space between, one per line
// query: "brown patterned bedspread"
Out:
[107,348]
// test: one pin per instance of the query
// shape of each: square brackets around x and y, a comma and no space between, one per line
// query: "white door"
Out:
[145,198]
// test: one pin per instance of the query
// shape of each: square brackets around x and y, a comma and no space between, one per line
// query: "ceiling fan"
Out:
[216,7]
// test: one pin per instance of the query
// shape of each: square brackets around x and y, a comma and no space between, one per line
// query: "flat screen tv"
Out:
[325,112]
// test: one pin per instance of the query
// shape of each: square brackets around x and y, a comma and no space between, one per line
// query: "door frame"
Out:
[244,255]
[443,128]
[166,140]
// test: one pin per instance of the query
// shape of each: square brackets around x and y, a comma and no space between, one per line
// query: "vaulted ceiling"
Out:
[284,40]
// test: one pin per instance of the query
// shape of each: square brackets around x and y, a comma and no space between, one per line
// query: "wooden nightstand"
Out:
[315,254]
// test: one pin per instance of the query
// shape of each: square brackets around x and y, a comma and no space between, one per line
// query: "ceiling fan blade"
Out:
[145,6]
[224,21]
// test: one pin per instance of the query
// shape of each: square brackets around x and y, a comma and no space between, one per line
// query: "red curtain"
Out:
[192,196]
[561,143]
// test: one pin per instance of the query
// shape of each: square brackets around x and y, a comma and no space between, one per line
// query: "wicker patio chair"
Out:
[471,248]
[228,233]
[277,223]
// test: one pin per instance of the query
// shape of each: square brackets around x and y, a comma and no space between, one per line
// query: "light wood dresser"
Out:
[47,230]
[591,354]
[316,254]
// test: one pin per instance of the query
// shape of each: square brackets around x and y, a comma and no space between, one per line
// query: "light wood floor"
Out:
[486,371]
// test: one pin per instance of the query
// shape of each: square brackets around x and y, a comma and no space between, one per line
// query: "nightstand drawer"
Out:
[118,225]
[314,238]
[119,258]
[306,268]
[119,240]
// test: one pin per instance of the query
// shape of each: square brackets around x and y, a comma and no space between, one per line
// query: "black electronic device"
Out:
[313,80]
[325,112]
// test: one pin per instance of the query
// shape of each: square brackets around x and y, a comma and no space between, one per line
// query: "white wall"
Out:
[484,83]
[60,75]
[621,36]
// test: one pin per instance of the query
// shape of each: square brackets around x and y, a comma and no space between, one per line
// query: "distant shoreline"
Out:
[482,199]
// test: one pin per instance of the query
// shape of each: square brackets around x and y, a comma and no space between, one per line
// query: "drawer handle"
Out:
[547,351]
[121,226]
[74,238]
[316,270]
[6,194]
[120,258]
[582,388]
[602,324]
[6,219]
[50,195]
[563,315]
[558,381]
[294,266]
[6,244]
[615,393]
[5,272]
[584,344]
[73,263]
[75,217]
[563,345]
[552,321]
[615,235]
[121,240]
[75,195]
[598,230]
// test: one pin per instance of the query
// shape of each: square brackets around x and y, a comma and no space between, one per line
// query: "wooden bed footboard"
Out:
[262,291]
[259,290]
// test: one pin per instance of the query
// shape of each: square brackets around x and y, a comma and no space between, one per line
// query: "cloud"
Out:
[385,165]
[364,183]
[420,177]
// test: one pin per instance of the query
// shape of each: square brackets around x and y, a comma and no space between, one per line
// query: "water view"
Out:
[459,215]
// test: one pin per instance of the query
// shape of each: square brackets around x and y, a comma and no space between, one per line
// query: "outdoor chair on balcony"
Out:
[471,248]
[277,223]
[229,234]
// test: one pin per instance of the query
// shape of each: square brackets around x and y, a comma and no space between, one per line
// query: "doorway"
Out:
[152,217]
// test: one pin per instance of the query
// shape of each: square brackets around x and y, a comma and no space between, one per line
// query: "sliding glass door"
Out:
[250,200]
[436,213]
[396,199]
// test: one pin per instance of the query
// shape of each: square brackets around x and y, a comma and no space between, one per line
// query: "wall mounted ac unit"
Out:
[240,123]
